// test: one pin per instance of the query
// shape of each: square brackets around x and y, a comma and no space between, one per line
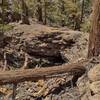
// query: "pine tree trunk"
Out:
[45,12]
[94,39]
[2,18]
[10,8]
[82,11]
[39,11]
[25,15]
[62,12]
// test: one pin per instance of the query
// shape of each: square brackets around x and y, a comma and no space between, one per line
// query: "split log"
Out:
[16,76]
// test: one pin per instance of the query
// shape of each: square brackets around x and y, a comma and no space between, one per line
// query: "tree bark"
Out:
[39,11]
[82,11]
[41,73]
[25,15]
[2,22]
[45,12]
[94,39]
[62,12]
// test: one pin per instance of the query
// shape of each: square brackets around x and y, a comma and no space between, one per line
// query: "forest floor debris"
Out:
[44,46]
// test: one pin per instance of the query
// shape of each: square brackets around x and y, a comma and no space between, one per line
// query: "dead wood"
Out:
[26,61]
[41,73]
[14,91]
[5,62]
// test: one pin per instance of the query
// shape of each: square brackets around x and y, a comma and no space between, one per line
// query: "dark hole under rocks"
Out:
[48,61]
[36,60]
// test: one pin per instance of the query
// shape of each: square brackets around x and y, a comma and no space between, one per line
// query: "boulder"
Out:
[94,73]
[95,87]
[82,84]
[95,97]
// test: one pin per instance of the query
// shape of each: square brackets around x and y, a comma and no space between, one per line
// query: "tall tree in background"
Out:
[45,12]
[94,39]
[77,16]
[52,12]
[82,11]
[25,11]
[2,4]
[39,11]
[62,12]
[10,8]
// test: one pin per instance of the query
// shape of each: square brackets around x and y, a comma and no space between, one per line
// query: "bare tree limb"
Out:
[26,61]
[5,61]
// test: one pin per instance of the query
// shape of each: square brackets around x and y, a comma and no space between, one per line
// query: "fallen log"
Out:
[16,76]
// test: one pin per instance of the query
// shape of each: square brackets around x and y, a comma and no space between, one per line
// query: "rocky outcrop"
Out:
[46,49]
[89,86]
[94,73]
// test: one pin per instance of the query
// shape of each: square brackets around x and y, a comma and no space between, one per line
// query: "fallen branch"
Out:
[41,73]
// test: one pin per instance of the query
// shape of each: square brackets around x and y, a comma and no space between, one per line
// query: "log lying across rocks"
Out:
[16,76]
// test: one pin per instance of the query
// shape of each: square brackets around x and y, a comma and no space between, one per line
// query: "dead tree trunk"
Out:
[42,73]
[94,39]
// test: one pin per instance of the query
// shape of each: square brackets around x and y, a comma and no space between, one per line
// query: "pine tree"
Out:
[94,39]
[25,15]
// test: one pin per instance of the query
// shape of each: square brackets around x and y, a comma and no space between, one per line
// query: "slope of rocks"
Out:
[44,46]
[48,46]
[89,84]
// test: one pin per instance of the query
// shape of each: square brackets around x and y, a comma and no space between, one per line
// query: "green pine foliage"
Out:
[58,12]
